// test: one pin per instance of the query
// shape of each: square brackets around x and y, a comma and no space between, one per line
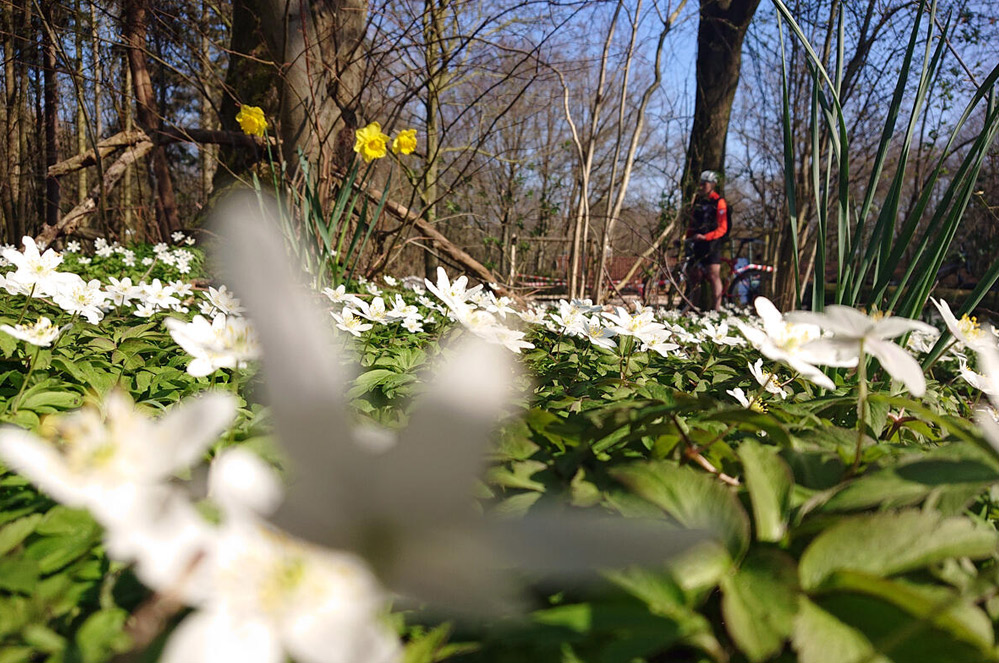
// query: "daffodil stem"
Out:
[861,407]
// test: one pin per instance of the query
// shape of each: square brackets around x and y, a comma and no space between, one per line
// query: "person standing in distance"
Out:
[708,225]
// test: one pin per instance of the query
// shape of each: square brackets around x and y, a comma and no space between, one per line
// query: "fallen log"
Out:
[162,136]
[68,223]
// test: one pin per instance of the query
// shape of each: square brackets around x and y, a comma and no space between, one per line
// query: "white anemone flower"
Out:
[966,331]
[121,293]
[767,380]
[339,295]
[34,269]
[271,598]
[594,329]
[532,316]
[718,334]
[407,510]
[977,380]
[412,325]
[222,300]
[157,295]
[855,334]
[390,281]
[82,298]
[782,340]
[41,333]
[454,294]
[225,342]
[402,311]
[659,342]
[112,462]
[641,325]
[375,311]
[739,395]
[348,321]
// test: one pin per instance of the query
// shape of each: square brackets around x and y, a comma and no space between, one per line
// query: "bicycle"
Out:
[742,284]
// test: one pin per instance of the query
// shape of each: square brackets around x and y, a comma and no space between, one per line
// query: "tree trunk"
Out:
[50,114]
[81,115]
[128,122]
[301,63]
[720,32]
[433,56]
[10,187]
[134,17]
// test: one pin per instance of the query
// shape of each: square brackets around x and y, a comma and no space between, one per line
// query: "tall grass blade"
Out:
[790,181]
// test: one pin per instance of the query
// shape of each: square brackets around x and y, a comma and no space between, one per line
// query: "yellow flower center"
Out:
[968,325]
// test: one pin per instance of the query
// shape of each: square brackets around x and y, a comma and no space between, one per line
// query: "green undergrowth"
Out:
[811,560]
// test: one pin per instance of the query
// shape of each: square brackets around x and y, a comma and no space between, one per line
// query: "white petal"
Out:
[899,364]
[214,636]
[190,427]
[40,463]
[239,479]
[832,351]
[891,327]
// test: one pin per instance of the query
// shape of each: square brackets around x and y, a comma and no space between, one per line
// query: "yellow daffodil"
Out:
[370,142]
[251,120]
[405,142]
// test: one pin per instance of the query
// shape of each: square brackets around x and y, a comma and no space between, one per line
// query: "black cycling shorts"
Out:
[707,253]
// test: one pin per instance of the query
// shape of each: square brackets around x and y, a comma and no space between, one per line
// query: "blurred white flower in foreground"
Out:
[408,510]
[111,461]
[988,360]
[855,334]
[268,596]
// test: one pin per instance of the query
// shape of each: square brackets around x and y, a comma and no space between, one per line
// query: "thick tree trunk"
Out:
[301,63]
[134,17]
[720,32]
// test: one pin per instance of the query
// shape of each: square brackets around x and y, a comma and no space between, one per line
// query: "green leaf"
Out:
[752,421]
[51,401]
[16,654]
[518,475]
[819,637]
[44,638]
[883,544]
[940,606]
[759,602]
[103,344]
[694,499]
[909,483]
[8,344]
[65,520]
[14,533]
[102,635]
[424,648]
[769,481]
[18,575]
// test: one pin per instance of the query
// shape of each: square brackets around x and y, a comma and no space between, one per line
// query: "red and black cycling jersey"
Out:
[710,217]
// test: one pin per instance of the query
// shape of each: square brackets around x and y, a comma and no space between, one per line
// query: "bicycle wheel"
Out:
[747,286]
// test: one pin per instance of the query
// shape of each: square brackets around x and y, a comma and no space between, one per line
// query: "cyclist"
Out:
[708,224]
